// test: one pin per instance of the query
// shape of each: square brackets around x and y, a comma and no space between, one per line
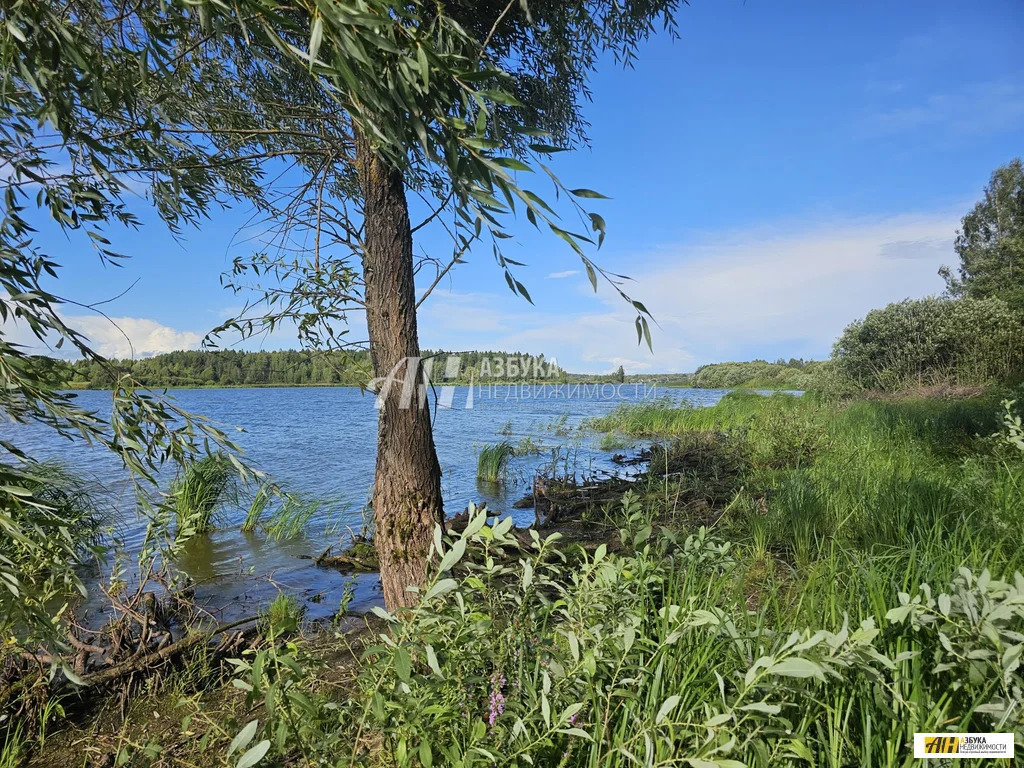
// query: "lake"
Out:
[321,442]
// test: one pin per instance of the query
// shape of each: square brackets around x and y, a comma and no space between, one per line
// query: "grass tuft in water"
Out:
[492,464]
[198,490]
[283,616]
[259,505]
[289,520]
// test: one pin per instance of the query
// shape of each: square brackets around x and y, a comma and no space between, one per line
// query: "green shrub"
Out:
[756,374]
[964,342]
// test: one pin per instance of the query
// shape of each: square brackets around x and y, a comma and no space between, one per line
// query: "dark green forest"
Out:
[290,368]
[293,368]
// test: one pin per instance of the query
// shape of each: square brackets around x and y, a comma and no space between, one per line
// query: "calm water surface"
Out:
[321,442]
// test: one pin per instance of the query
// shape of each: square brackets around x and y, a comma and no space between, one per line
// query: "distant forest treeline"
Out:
[230,368]
[290,368]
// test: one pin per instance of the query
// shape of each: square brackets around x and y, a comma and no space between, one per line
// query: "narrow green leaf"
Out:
[403,664]
[588,193]
[316,36]
[797,667]
[243,737]
[442,587]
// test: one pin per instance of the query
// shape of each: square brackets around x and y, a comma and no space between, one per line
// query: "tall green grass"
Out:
[289,520]
[492,463]
[197,492]
[259,505]
[663,418]
[14,747]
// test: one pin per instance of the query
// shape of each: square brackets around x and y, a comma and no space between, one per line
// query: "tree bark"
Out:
[407,486]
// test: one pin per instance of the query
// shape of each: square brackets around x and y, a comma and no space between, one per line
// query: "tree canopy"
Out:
[990,242]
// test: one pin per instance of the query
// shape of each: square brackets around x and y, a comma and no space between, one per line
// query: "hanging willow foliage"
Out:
[193,103]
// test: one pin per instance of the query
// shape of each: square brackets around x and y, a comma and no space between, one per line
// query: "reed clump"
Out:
[198,490]
[492,463]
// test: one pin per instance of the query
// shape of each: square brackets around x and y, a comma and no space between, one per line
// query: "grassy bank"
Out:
[791,583]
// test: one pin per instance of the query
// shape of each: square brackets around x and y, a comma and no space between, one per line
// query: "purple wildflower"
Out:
[497,698]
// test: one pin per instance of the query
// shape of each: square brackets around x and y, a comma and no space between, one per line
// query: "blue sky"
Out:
[776,172]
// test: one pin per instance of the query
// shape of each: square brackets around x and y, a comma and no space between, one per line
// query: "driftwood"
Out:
[360,557]
[559,500]
[642,457]
[122,669]
[139,663]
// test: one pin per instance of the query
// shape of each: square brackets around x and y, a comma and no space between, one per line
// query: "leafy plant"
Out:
[1014,430]
[51,528]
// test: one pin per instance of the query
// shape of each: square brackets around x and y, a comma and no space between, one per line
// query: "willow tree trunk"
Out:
[407,487]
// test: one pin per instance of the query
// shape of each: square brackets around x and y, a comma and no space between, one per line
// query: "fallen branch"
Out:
[168,651]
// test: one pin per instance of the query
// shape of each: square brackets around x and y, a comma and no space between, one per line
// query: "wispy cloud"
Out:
[736,295]
[560,275]
[977,108]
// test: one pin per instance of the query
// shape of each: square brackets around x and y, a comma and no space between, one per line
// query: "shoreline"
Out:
[475,383]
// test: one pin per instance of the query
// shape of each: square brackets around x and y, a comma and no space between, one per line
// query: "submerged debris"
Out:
[360,557]
[640,457]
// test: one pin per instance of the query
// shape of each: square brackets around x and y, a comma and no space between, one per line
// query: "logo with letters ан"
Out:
[962,745]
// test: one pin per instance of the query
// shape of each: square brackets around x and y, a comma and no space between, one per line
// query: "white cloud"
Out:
[560,275]
[786,290]
[120,337]
[803,283]
[144,337]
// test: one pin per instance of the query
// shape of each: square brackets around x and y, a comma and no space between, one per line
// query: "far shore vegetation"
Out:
[292,368]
